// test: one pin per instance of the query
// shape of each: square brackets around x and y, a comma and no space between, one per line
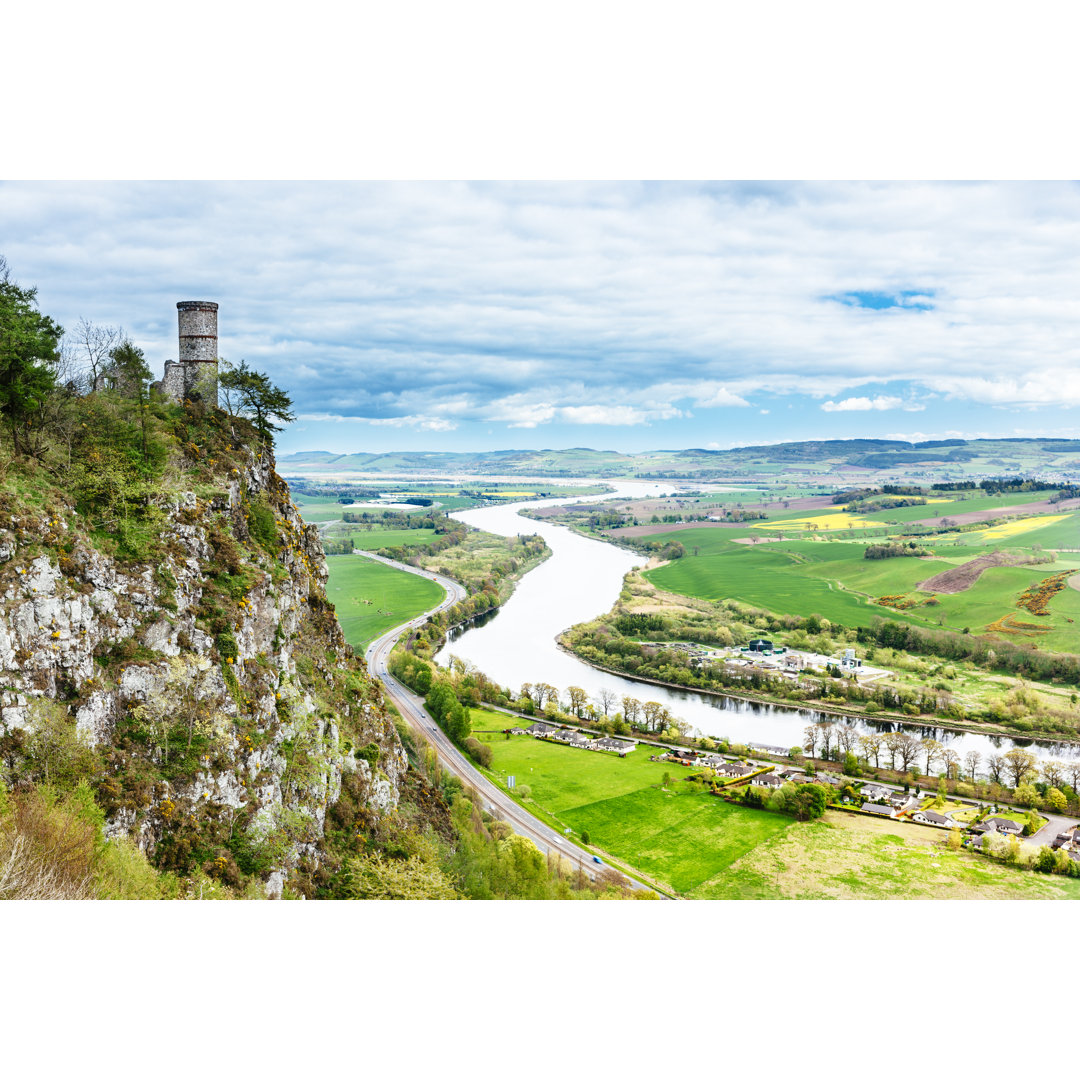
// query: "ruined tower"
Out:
[196,372]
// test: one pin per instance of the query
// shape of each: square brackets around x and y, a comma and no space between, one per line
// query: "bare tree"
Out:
[631,709]
[971,762]
[91,346]
[847,737]
[606,699]
[811,734]
[995,767]
[827,729]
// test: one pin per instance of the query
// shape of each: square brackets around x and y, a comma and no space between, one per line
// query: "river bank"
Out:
[811,712]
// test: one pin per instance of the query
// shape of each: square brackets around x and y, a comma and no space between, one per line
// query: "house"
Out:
[796,775]
[762,748]
[878,808]
[570,736]
[618,746]
[900,799]
[541,731]
[1005,825]
[928,817]
[767,780]
[732,769]
[875,794]
[688,756]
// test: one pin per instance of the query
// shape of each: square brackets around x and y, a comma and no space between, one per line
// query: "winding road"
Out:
[412,710]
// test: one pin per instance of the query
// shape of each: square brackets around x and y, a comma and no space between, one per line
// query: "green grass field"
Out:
[371,597]
[376,539]
[314,510]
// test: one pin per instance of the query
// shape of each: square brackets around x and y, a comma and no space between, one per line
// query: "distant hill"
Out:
[880,459]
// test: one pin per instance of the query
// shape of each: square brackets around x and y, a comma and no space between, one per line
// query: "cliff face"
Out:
[208,690]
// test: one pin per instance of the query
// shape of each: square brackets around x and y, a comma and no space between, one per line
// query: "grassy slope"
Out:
[396,596]
[706,848]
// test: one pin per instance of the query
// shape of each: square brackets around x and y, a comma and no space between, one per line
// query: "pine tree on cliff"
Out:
[251,394]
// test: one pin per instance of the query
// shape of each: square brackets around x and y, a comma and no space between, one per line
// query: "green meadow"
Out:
[371,597]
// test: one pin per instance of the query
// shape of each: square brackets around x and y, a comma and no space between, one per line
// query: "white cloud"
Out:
[881,403]
[1033,389]
[611,415]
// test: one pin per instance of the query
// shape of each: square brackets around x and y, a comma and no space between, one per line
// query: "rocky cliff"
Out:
[195,674]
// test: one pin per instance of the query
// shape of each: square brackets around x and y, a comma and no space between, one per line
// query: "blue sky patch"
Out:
[912,299]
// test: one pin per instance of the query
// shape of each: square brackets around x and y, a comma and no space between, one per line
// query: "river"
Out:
[582,580]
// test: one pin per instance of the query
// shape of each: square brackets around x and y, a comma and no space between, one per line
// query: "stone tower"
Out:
[196,372]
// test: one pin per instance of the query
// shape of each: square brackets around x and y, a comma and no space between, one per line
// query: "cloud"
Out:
[881,403]
[426,306]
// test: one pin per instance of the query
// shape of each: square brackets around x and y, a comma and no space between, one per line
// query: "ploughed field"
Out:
[702,847]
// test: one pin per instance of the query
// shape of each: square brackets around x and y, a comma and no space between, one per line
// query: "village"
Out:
[768,658]
[974,822]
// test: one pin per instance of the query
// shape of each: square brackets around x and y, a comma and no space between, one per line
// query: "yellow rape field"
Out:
[1014,528]
[820,522]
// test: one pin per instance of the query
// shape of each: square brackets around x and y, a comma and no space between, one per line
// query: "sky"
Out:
[615,315]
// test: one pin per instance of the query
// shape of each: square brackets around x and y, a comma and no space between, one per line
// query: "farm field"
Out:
[315,511]
[1003,534]
[833,580]
[826,522]
[705,848]
[793,577]
[943,508]
[371,597]
[375,539]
